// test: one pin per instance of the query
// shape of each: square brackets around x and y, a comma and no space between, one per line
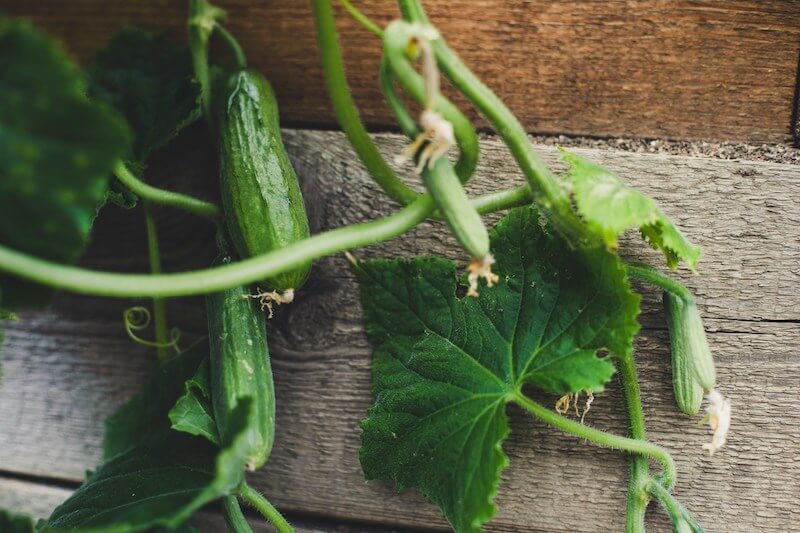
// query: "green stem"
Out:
[550,196]
[160,196]
[233,45]
[675,510]
[639,469]
[345,108]
[218,278]
[361,18]
[350,121]
[234,518]
[498,201]
[264,507]
[602,438]
[404,119]
[159,307]
[395,41]
[654,277]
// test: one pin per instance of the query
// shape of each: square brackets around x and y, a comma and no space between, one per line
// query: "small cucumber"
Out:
[692,363]
[240,368]
[261,197]
[454,205]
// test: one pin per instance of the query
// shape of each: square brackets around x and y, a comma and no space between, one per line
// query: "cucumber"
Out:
[692,363]
[261,197]
[240,369]
[461,216]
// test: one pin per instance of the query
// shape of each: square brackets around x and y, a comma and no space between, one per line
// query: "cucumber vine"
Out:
[547,302]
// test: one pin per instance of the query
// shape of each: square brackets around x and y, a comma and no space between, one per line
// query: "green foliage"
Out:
[609,208]
[444,367]
[193,412]
[157,485]
[14,523]
[144,418]
[57,150]
[147,78]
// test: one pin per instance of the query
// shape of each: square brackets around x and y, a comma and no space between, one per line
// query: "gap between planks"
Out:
[66,371]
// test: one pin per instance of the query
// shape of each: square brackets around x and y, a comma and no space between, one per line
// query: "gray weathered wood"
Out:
[66,370]
[38,500]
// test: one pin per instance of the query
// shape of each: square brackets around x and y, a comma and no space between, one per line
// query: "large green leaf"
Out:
[193,412]
[610,208]
[148,78]
[444,367]
[15,523]
[144,418]
[57,150]
[157,486]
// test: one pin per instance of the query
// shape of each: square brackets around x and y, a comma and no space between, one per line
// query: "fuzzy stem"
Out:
[233,45]
[264,507]
[675,510]
[654,277]
[160,196]
[159,307]
[639,469]
[361,18]
[218,278]
[549,195]
[234,518]
[350,121]
[345,108]
[602,438]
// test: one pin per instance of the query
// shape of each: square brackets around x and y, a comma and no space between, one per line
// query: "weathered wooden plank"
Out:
[39,499]
[57,390]
[65,371]
[681,69]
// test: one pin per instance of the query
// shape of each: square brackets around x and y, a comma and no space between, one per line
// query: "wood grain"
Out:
[675,69]
[67,369]
[39,499]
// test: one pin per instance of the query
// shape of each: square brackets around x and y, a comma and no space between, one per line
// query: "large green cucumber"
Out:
[261,198]
[240,368]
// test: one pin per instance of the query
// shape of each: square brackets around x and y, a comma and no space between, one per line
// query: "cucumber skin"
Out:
[261,198]
[690,353]
[240,368]
[461,216]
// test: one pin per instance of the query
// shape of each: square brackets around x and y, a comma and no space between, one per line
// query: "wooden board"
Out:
[38,500]
[680,69]
[67,369]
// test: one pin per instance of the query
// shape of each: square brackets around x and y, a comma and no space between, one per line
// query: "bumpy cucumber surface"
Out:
[688,393]
[454,205]
[264,209]
[240,368]
[692,363]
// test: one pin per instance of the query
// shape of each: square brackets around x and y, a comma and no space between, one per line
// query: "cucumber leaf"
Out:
[444,367]
[147,78]
[193,412]
[144,418]
[15,523]
[610,207]
[57,150]
[157,486]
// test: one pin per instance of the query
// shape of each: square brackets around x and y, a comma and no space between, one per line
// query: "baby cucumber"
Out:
[261,198]
[692,363]
[454,205]
[240,368]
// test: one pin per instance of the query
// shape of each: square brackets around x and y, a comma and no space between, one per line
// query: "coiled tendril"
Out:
[138,318]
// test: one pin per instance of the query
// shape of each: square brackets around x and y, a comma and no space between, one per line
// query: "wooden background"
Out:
[681,70]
